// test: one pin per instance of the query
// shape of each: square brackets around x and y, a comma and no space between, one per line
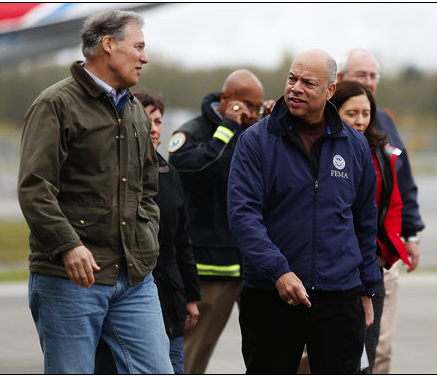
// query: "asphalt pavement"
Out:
[415,341]
[414,347]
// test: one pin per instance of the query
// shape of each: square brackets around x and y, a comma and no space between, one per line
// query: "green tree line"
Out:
[410,95]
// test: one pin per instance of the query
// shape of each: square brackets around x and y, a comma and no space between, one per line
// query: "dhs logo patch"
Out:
[176,142]
[338,162]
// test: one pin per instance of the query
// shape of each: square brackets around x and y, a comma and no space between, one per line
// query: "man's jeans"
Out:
[70,320]
[105,364]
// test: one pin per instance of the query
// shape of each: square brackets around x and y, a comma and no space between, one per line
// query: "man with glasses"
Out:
[201,150]
[359,65]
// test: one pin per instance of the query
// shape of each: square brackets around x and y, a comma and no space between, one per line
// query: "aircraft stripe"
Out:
[58,13]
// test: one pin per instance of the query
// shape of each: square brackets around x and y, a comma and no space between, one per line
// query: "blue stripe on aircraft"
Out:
[58,13]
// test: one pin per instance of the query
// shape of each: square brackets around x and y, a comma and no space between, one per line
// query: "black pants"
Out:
[274,333]
[104,361]
[372,333]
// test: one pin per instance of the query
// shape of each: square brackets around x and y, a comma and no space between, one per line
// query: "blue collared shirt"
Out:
[114,95]
[215,105]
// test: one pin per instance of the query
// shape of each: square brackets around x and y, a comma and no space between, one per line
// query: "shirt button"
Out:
[117,266]
[82,221]
[124,179]
[122,136]
[123,223]
[130,265]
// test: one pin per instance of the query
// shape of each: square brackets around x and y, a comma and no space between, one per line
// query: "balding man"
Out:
[359,65]
[202,150]
[302,211]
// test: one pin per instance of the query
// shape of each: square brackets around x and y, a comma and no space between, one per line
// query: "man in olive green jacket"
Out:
[87,178]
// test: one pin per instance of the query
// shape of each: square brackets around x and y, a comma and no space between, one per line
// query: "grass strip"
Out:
[14,275]
[14,241]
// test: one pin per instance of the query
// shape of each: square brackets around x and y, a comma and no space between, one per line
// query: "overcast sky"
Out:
[206,35]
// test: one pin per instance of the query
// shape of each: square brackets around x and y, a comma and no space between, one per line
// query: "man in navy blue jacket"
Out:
[302,211]
[359,65]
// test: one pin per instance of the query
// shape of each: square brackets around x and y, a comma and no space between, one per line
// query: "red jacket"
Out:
[389,202]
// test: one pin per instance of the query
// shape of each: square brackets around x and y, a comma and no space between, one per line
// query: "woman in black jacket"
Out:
[175,272]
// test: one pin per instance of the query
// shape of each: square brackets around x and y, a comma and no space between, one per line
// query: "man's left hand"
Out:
[414,254]
[368,310]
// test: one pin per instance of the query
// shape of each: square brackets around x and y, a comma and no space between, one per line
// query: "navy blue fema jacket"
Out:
[320,224]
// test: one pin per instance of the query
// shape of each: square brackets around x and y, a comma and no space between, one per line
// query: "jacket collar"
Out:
[281,116]
[207,110]
[86,81]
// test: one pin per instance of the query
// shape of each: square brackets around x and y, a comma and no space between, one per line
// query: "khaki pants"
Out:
[388,321]
[218,298]
[304,367]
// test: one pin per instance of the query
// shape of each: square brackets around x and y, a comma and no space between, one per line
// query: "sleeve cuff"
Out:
[369,290]
[409,234]
[224,134]
[280,273]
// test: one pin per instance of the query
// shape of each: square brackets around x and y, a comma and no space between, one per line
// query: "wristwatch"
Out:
[413,239]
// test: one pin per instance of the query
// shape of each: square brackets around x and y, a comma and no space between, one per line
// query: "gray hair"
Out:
[332,70]
[343,61]
[112,23]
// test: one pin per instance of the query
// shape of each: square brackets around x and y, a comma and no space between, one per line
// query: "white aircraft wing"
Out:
[42,28]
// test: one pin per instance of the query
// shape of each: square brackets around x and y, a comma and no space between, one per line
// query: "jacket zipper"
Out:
[314,166]
[313,262]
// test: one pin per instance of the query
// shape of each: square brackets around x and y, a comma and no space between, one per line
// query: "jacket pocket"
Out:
[136,155]
[145,234]
[84,217]
[142,213]
[92,223]
[141,138]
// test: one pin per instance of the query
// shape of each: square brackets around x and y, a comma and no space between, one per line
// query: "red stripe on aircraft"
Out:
[11,11]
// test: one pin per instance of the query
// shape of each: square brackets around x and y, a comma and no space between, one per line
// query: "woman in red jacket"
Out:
[356,106]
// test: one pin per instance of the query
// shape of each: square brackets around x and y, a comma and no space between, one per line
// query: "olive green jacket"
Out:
[89,178]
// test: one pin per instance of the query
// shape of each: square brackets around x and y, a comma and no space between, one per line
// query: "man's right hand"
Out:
[237,111]
[80,264]
[291,290]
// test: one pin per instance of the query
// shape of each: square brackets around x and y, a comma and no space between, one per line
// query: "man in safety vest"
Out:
[201,150]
